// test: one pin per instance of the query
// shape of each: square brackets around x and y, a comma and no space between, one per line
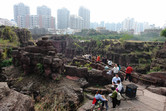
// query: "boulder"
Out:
[76,71]
[96,77]
[158,90]
[72,96]
[11,100]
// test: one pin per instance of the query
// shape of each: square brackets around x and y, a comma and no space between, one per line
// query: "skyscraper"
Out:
[85,14]
[76,22]
[20,10]
[45,20]
[34,21]
[63,16]
[44,10]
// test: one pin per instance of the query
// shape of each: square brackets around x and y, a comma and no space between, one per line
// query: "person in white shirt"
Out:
[119,86]
[115,69]
[115,79]
[109,62]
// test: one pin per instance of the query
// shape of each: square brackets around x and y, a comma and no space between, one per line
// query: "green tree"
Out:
[163,33]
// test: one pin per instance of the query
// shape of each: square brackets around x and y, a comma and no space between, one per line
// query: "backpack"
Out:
[119,96]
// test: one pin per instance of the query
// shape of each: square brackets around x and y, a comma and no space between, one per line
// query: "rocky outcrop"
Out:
[39,59]
[0,60]
[159,61]
[158,90]
[24,36]
[11,100]
[61,42]
[138,54]
[157,79]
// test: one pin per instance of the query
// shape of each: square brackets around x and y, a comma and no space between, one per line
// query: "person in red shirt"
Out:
[98,59]
[128,73]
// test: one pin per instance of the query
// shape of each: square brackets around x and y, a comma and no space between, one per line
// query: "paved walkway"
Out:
[144,101]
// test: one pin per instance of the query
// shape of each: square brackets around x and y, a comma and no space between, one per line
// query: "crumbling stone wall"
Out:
[39,59]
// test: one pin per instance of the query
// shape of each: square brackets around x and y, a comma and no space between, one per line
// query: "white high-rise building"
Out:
[45,20]
[34,21]
[85,14]
[21,11]
[44,10]
[63,18]
[128,24]
[76,22]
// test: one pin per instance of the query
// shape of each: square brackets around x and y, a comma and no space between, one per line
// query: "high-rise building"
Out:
[63,16]
[20,11]
[76,22]
[85,14]
[44,10]
[45,20]
[34,21]
[23,21]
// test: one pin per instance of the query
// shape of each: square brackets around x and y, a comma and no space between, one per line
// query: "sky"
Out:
[152,11]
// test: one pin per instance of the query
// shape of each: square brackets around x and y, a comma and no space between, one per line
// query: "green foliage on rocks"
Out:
[8,34]
[163,33]
[14,36]
[40,68]
[6,62]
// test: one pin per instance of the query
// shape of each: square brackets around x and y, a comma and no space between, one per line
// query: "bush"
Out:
[6,62]
[40,68]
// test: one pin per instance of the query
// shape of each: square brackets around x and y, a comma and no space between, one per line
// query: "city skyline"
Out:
[108,11]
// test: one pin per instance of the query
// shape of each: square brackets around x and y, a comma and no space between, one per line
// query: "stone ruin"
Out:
[42,58]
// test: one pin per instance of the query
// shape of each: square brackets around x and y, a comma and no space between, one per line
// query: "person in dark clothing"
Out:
[128,73]
[114,97]
[118,101]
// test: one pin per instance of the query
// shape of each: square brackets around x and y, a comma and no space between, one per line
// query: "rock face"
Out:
[93,72]
[137,54]
[158,90]
[160,59]
[0,60]
[61,42]
[157,79]
[11,100]
[39,59]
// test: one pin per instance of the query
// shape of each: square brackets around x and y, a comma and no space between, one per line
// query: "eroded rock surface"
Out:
[11,100]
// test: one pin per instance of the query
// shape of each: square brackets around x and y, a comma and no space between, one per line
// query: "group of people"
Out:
[115,70]
[117,88]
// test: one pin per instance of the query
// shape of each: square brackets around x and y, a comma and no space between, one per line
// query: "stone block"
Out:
[47,60]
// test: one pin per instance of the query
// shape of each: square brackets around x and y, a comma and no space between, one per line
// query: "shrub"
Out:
[6,62]
[40,68]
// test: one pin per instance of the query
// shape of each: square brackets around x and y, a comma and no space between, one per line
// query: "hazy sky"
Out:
[152,11]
